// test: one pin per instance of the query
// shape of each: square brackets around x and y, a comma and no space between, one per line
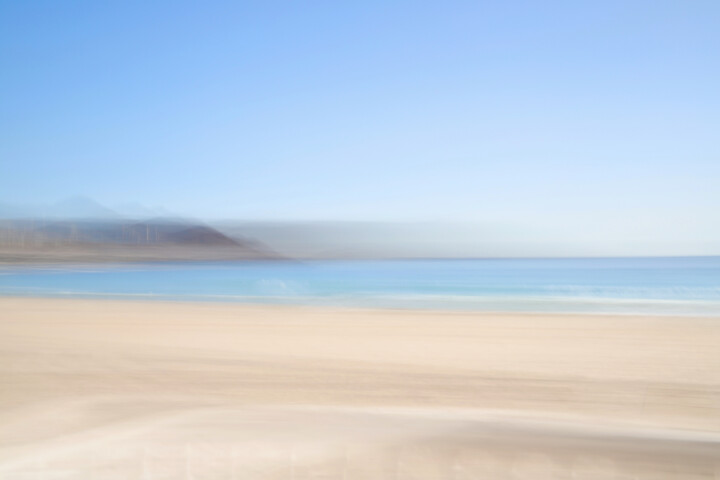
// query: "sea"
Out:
[661,286]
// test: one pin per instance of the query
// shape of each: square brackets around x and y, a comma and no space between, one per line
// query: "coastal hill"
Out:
[42,240]
[130,233]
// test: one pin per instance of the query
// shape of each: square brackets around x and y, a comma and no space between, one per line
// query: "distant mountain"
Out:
[116,232]
[82,208]
[119,240]
[200,235]
[139,211]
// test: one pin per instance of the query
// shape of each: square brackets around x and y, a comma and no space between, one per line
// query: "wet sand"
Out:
[97,389]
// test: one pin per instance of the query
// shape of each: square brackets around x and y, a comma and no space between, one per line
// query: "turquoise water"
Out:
[622,285]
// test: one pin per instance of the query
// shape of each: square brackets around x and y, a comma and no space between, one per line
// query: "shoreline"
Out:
[371,306]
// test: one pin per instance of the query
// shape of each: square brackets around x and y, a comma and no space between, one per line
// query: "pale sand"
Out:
[143,390]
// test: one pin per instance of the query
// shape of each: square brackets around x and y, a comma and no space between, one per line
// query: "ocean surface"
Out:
[685,286]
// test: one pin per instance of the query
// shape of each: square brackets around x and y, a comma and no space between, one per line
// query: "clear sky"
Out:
[599,119]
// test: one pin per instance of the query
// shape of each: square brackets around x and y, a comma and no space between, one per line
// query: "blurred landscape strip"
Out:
[50,241]
[80,229]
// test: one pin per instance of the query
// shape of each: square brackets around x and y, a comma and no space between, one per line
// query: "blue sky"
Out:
[594,117]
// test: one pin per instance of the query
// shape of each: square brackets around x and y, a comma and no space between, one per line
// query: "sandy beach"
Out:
[98,389]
